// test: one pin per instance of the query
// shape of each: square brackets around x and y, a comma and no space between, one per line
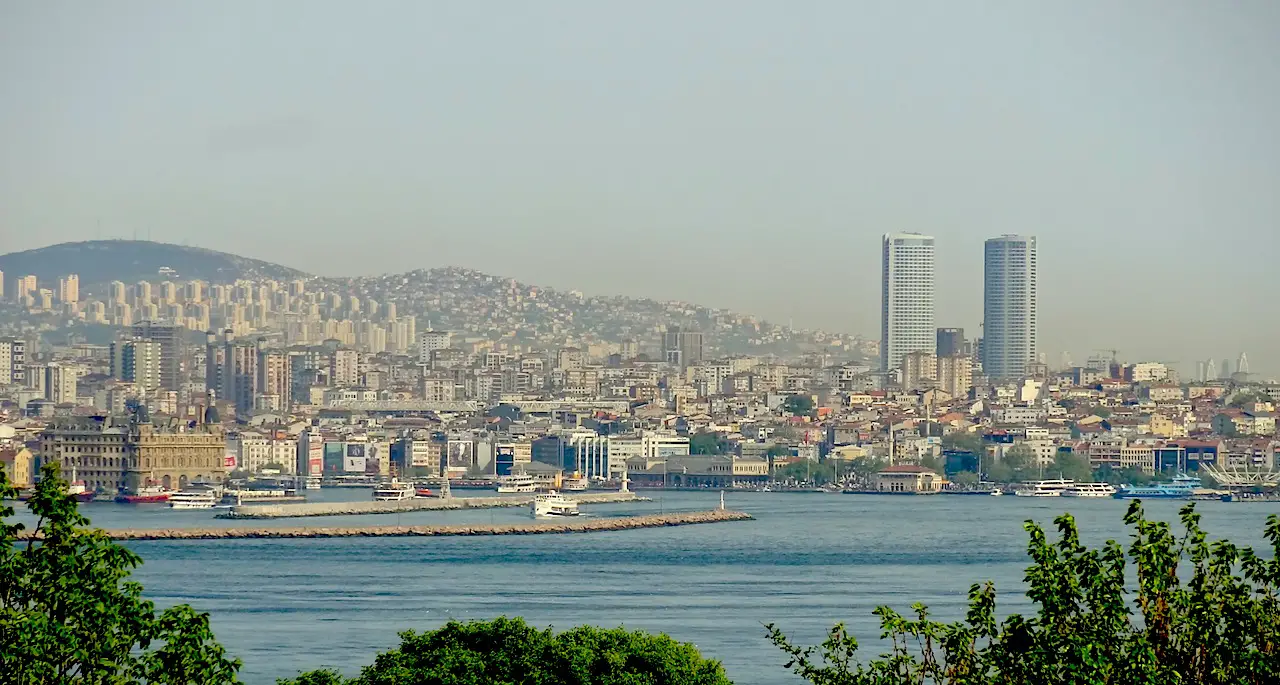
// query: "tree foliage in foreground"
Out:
[69,614]
[507,651]
[1218,624]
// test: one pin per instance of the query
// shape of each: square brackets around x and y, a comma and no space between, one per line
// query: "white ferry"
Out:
[1089,490]
[516,483]
[193,499]
[553,505]
[1043,488]
[394,491]
[575,484]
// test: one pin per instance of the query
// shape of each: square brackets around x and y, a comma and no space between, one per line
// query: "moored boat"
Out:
[516,483]
[1089,490]
[147,494]
[1043,488]
[1181,487]
[195,498]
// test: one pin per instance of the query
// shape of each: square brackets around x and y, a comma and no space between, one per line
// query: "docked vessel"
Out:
[394,491]
[1181,487]
[516,483]
[203,498]
[147,494]
[575,483]
[1043,488]
[553,505]
[1089,490]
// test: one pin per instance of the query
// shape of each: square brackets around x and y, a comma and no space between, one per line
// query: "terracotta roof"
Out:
[905,468]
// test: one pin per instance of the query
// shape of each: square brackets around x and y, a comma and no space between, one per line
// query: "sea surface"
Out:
[805,562]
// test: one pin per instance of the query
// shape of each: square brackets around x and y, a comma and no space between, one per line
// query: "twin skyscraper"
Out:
[1010,302]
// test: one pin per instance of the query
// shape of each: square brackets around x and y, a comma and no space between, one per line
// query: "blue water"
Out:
[807,561]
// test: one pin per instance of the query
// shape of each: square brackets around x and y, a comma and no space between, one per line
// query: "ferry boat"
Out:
[1043,488]
[575,484]
[1181,487]
[516,483]
[308,483]
[193,499]
[147,494]
[553,505]
[1089,490]
[394,491]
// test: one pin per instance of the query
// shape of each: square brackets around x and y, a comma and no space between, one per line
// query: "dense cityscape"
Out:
[455,375]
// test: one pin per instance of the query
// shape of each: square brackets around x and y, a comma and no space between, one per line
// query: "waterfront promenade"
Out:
[272,511]
[560,526]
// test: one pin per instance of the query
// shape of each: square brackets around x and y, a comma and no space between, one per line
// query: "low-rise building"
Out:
[907,479]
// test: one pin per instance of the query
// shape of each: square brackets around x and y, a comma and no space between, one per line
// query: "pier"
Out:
[579,525]
[275,511]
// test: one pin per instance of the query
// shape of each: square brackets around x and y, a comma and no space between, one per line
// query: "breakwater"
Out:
[275,511]
[580,525]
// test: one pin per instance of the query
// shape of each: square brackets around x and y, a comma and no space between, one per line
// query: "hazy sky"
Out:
[733,153]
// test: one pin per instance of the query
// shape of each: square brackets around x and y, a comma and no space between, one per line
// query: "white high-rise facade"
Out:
[907,317]
[1009,306]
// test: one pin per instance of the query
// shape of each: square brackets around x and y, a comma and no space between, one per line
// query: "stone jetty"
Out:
[276,511]
[579,525]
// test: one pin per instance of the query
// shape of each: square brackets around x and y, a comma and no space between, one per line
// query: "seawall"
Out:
[581,525]
[275,511]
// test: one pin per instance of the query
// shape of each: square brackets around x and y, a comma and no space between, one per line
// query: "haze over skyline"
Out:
[743,155]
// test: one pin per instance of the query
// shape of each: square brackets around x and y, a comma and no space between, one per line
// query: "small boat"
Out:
[1181,487]
[147,494]
[516,483]
[424,492]
[996,492]
[394,491]
[202,498]
[1089,490]
[553,505]
[1043,488]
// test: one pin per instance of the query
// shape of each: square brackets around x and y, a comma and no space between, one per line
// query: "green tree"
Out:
[510,652]
[817,472]
[1217,623]
[707,443]
[966,479]
[798,405]
[960,441]
[1072,466]
[69,614]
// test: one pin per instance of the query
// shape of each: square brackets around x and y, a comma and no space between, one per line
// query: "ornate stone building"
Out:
[122,454]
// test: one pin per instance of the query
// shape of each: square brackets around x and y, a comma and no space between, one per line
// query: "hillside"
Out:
[103,261]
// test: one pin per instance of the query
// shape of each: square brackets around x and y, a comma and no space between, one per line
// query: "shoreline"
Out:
[364,507]
[455,530]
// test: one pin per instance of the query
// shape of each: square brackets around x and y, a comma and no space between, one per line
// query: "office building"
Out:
[950,341]
[907,298]
[1009,306]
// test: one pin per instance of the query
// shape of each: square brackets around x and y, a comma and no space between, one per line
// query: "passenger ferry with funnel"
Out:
[553,505]
[1089,490]
[1043,488]
[1181,487]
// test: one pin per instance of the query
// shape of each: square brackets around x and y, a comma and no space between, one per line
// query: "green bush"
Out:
[1217,623]
[507,651]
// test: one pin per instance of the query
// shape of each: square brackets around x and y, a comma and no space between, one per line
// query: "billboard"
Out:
[229,461]
[461,454]
[353,464]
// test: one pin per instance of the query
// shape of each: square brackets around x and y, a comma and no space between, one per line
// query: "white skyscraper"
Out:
[1009,306]
[906,318]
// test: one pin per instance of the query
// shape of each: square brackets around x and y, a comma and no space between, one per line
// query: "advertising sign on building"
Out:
[229,461]
[353,465]
[461,454]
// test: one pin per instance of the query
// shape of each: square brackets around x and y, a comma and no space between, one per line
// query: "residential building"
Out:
[344,368]
[955,375]
[1009,306]
[430,341]
[137,362]
[69,289]
[172,349]
[907,308]
[60,383]
[682,347]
